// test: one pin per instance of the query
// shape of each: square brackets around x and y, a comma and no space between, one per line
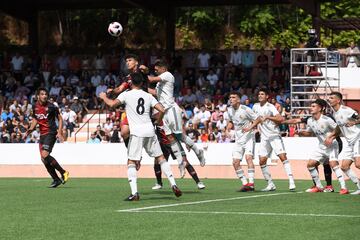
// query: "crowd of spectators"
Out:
[202,83]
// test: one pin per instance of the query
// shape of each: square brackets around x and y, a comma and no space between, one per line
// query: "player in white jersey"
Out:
[138,105]
[321,126]
[271,139]
[173,125]
[348,121]
[241,118]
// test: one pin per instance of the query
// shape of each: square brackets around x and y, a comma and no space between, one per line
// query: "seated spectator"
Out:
[189,99]
[212,78]
[69,118]
[215,116]
[202,118]
[55,90]
[93,138]
[222,106]
[224,138]
[78,108]
[211,138]
[100,134]
[115,135]
[204,137]
[209,105]
[96,79]
[192,132]
[248,103]
[26,108]
[73,79]
[18,138]
[108,126]
[6,115]
[35,135]
[58,77]
[221,123]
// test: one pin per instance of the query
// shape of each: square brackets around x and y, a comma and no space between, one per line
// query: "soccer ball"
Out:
[115,29]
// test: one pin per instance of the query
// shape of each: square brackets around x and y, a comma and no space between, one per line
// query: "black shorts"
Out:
[47,142]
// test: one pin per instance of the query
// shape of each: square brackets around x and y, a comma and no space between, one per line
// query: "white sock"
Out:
[132,178]
[288,171]
[251,173]
[339,176]
[190,143]
[315,176]
[266,173]
[177,151]
[165,168]
[353,177]
[240,174]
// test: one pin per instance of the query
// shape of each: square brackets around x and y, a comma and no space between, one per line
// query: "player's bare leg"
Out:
[345,167]
[339,174]
[288,170]
[266,173]
[191,144]
[165,168]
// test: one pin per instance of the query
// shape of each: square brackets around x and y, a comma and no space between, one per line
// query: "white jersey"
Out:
[241,118]
[342,117]
[268,128]
[138,104]
[165,90]
[321,128]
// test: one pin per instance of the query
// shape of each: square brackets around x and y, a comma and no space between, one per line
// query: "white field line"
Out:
[204,201]
[250,213]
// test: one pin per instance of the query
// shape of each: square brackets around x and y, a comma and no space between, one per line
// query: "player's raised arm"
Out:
[108,101]
[154,79]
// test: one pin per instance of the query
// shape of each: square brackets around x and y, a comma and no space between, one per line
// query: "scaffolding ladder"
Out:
[309,77]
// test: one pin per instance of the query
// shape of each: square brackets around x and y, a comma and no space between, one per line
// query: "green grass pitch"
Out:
[88,209]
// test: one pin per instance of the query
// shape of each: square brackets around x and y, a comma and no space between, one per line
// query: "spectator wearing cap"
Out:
[78,108]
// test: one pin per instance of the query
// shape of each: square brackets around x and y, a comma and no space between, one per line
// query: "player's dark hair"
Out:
[235,93]
[337,94]
[137,79]
[265,90]
[322,103]
[134,56]
[161,63]
[42,89]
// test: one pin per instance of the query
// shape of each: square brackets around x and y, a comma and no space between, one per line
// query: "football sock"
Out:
[315,176]
[266,173]
[191,144]
[328,173]
[126,142]
[240,174]
[340,176]
[165,168]
[288,171]
[175,148]
[157,170]
[251,173]
[54,164]
[132,178]
[353,177]
[51,170]
[192,172]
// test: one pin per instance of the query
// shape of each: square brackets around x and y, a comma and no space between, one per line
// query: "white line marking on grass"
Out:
[204,201]
[251,213]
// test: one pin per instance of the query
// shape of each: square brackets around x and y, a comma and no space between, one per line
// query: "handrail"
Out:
[87,122]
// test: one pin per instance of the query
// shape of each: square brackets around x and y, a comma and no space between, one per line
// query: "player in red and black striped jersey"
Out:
[46,114]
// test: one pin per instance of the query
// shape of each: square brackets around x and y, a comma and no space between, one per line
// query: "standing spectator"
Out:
[62,62]
[202,118]
[248,63]
[263,61]
[203,60]
[212,78]
[75,65]
[45,69]
[110,77]
[99,63]
[96,79]
[277,57]
[99,89]
[352,53]
[236,58]
[78,108]
[17,65]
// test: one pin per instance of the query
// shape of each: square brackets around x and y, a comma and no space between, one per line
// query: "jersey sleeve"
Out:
[332,123]
[273,110]
[164,76]
[153,100]
[251,114]
[121,98]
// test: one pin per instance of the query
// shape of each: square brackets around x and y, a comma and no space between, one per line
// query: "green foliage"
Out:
[229,40]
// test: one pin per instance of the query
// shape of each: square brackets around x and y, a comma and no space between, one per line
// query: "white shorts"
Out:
[324,155]
[239,149]
[350,152]
[150,144]
[274,143]
[173,120]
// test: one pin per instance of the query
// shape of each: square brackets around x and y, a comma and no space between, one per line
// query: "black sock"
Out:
[317,169]
[126,141]
[327,173]
[192,172]
[51,171]
[52,161]
[157,170]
